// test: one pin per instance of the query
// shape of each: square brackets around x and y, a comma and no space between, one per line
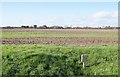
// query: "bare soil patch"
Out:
[64,31]
[82,41]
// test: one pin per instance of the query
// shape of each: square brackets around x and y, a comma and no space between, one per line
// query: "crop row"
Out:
[32,34]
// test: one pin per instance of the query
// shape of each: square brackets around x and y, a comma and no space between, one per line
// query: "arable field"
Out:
[59,36]
[58,51]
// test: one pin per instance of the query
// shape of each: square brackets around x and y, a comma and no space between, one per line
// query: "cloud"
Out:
[105,18]
[101,14]
[115,14]
[101,18]
[105,14]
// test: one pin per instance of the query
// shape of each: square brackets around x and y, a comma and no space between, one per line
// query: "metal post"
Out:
[83,59]
[83,65]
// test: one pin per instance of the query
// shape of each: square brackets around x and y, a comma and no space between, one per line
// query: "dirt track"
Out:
[59,40]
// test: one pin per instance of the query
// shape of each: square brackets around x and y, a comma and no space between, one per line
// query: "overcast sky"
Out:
[60,13]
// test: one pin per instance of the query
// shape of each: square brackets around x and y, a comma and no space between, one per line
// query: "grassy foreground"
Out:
[59,60]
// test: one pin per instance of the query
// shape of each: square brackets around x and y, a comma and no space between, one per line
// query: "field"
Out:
[58,51]
[59,36]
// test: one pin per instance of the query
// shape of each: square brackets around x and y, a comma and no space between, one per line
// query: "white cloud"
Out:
[105,18]
[101,14]
[101,18]
[115,14]
[105,14]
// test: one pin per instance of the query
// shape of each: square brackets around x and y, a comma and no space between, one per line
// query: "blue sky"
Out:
[59,0]
[59,13]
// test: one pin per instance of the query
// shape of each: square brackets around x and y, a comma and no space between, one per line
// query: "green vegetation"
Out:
[0,61]
[31,34]
[59,60]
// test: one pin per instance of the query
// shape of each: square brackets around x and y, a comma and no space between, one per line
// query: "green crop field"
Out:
[59,60]
[59,56]
[31,34]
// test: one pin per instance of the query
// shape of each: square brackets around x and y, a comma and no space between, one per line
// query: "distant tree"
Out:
[107,27]
[45,26]
[27,26]
[35,26]
[56,27]
[24,26]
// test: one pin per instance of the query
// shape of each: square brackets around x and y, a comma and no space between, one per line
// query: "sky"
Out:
[93,14]
[59,0]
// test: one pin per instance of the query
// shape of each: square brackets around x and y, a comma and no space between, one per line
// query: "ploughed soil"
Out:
[81,41]
[64,31]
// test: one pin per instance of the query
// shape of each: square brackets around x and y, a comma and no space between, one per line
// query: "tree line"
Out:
[59,27]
